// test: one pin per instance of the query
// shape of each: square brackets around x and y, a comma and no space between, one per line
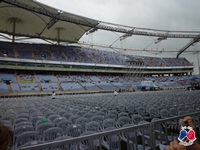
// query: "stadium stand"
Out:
[84,55]
[75,119]
[36,83]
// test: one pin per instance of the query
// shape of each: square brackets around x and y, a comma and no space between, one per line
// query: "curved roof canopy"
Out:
[28,18]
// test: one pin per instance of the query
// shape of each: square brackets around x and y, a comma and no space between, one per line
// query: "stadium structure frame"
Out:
[86,25]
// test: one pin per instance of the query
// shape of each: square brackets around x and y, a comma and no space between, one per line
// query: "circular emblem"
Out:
[186,136]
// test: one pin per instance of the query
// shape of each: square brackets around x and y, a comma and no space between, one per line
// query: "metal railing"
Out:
[133,137]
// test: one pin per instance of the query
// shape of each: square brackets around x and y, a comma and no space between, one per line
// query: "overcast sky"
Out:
[157,14]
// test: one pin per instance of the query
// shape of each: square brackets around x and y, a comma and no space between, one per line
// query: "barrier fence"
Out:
[144,136]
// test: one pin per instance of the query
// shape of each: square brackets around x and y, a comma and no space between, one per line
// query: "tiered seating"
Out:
[7,49]
[86,55]
[49,86]
[80,82]
[71,86]
[24,50]
[24,87]
[106,86]
[26,78]
[3,87]
[90,86]
[64,78]
[45,78]
[41,52]
[57,53]
[8,77]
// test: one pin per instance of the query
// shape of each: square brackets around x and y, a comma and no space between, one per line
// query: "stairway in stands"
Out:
[9,88]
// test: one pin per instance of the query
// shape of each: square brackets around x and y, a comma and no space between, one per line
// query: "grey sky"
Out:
[157,14]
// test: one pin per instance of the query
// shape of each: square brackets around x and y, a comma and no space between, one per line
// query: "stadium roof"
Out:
[29,18]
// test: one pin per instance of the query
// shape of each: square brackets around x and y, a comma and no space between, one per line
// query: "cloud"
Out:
[156,14]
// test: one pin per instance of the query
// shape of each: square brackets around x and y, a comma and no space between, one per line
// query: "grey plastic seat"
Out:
[22,139]
[113,112]
[182,112]
[22,129]
[64,124]
[31,143]
[88,115]
[23,115]
[109,123]
[49,114]
[74,130]
[153,112]
[73,118]
[111,141]
[122,114]
[136,119]
[35,114]
[72,146]
[6,122]
[42,127]
[67,115]
[101,113]
[131,139]
[35,119]
[164,113]
[160,135]
[142,111]
[91,144]
[61,112]
[131,109]
[18,120]
[97,118]
[23,123]
[52,133]
[105,110]
[80,113]
[58,119]
[82,121]
[122,121]
[41,121]
[173,112]
[10,118]
[110,116]
[93,126]
[144,133]
[52,117]
[8,126]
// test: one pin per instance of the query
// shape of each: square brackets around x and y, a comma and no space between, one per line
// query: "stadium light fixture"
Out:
[60,11]
[91,31]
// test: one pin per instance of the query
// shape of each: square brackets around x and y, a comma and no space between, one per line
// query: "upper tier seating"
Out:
[24,50]
[84,55]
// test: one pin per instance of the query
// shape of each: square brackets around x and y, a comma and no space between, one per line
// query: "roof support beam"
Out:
[126,30]
[191,42]
[13,36]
